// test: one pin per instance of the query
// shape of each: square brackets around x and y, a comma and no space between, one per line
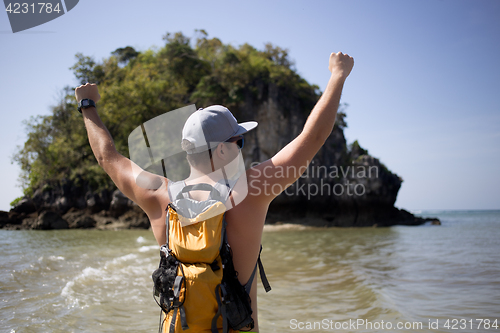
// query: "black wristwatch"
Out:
[85,103]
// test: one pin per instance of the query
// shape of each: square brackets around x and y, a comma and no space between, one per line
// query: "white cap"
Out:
[208,127]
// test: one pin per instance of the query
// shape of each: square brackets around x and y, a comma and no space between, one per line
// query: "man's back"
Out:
[245,224]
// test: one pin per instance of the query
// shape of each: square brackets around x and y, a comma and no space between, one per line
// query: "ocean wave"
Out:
[90,286]
[148,248]
[141,239]
[68,292]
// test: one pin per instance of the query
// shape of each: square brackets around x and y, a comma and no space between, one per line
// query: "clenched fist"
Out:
[341,63]
[89,91]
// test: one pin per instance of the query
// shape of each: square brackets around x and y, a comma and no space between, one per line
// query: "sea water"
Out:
[398,279]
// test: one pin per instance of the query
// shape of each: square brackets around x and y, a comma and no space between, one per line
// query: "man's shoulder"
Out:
[156,198]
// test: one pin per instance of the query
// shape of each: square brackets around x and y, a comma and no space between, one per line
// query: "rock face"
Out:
[340,187]
[63,210]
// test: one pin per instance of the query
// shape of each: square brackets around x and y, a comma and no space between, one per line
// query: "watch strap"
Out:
[85,103]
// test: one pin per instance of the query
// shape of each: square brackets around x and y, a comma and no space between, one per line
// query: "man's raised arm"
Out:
[319,125]
[122,171]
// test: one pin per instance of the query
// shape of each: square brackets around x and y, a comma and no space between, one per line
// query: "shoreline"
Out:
[135,218]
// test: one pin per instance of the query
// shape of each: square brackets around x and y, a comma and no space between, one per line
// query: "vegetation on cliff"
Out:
[137,86]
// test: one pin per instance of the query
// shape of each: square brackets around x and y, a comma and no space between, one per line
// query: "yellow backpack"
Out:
[196,284]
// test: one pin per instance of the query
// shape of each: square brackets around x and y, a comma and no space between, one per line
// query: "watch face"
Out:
[85,103]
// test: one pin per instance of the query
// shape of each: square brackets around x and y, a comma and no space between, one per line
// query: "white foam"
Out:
[89,275]
[141,239]
[148,248]
[90,287]
[68,292]
[121,259]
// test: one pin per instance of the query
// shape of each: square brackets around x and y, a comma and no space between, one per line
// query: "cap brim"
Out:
[245,127]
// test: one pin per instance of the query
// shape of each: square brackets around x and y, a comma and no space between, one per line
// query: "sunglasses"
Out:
[239,140]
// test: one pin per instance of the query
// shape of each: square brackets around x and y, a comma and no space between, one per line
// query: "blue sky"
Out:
[423,96]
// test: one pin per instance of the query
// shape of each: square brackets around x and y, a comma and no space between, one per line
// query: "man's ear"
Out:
[221,151]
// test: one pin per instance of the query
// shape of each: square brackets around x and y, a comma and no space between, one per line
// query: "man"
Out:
[245,221]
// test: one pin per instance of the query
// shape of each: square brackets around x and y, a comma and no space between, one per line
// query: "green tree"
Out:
[137,86]
[125,54]
[86,69]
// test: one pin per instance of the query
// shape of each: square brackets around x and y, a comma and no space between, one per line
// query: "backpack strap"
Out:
[220,191]
[225,186]
[221,310]
[178,305]
[263,276]
[214,193]
[174,188]
[221,294]
[167,223]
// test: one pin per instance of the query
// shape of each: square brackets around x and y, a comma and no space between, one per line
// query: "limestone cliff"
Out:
[341,187]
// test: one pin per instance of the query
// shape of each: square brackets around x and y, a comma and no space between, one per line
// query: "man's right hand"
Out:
[89,91]
[341,64]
